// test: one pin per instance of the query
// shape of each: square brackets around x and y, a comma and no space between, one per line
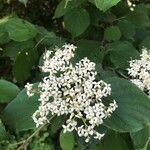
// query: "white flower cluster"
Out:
[72,91]
[131,4]
[140,71]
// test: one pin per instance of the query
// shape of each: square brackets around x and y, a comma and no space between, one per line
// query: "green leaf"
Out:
[66,140]
[145,43]
[18,113]
[105,4]
[94,146]
[24,63]
[8,91]
[140,138]
[133,112]
[56,124]
[77,21]
[4,38]
[112,33]
[139,16]
[43,146]
[80,147]
[47,38]
[62,8]
[3,35]
[20,30]
[127,29]
[104,73]
[13,49]
[90,49]
[114,139]
[121,53]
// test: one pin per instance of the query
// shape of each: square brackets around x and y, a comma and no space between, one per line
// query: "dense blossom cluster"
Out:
[72,91]
[140,71]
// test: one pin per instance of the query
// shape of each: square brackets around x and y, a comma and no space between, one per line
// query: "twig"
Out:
[119,73]
[123,75]
[26,142]
[118,19]
[15,144]
[30,137]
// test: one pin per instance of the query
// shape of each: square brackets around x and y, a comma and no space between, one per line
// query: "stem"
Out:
[15,144]
[146,145]
[39,42]
[121,74]
[117,19]
[84,121]
[26,142]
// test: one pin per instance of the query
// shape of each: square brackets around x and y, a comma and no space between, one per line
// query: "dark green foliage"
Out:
[140,138]
[17,114]
[133,106]
[8,91]
[106,32]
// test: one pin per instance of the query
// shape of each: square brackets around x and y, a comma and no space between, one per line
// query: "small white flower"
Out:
[28,86]
[131,4]
[98,136]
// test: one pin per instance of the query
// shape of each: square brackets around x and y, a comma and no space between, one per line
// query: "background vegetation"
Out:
[106,32]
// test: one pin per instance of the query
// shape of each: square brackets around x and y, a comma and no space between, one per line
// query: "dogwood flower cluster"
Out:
[72,90]
[131,4]
[139,71]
